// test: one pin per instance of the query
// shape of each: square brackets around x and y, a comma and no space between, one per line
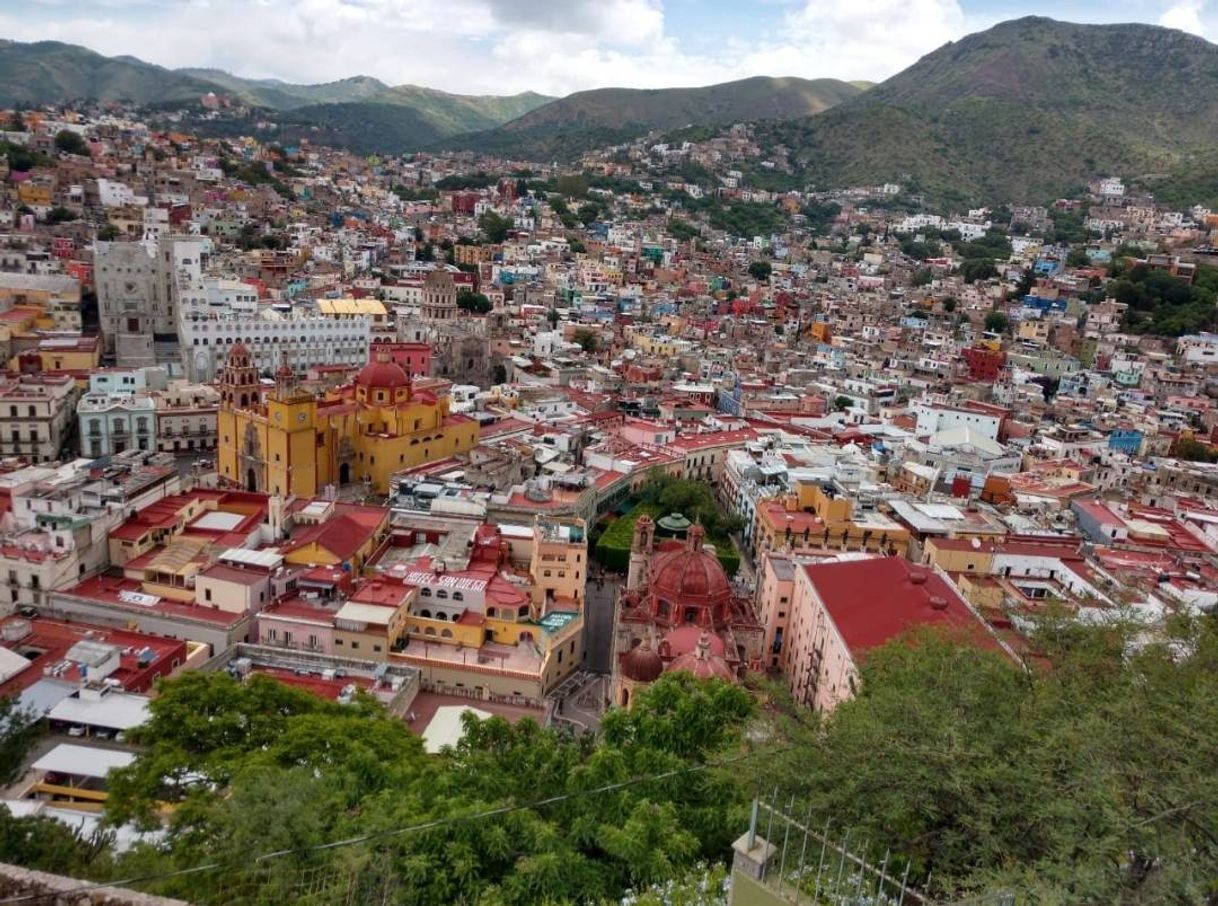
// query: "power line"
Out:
[396,831]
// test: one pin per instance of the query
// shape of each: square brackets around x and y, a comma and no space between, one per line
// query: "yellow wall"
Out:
[957,561]
[386,436]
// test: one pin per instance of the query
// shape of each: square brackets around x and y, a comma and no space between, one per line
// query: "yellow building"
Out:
[348,308]
[288,441]
[815,517]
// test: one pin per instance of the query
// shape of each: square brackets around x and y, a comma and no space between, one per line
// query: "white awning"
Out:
[82,761]
[445,727]
[11,663]
[113,711]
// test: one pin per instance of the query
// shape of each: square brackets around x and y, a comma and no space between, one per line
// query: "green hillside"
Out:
[1025,111]
[48,72]
[360,113]
[589,119]
[285,96]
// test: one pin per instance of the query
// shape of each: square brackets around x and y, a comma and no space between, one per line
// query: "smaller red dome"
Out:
[386,375]
[641,663]
[685,639]
[702,663]
[238,351]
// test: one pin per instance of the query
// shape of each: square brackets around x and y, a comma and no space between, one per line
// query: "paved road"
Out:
[598,625]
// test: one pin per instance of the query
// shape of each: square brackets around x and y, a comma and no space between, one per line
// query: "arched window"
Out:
[425,613]
[458,596]
[425,593]
[441,593]
[430,630]
[446,633]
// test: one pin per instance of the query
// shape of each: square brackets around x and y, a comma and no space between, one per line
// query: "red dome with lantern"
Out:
[383,375]
[689,575]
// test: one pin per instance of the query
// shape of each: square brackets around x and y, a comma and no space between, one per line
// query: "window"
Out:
[458,596]
[33,411]
[354,644]
[207,594]
[376,647]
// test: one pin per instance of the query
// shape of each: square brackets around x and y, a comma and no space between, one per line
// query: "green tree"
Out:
[70,142]
[16,122]
[576,246]
[108,233]
[974,269]
[19,730]
[949,304]
[760,270]
[494,227]
[588,213]
[587,339]
[552,317]
[842,403]
[1077,257]
[572,185]
[923,276]
[1083,779]
[996,322]
[60,214]
[476,303]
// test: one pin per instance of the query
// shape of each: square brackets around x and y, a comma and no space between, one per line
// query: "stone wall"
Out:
[57,890]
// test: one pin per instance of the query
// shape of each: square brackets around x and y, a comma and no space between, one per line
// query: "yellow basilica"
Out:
[289,441]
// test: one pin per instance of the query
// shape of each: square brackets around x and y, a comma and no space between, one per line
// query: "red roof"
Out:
[341,535]
[873,601]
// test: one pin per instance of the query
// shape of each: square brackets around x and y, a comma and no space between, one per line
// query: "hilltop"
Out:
[588,119]
[1028,109]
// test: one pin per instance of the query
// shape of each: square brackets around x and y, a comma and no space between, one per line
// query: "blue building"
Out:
[1125,440]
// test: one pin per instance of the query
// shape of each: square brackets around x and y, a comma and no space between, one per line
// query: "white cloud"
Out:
[871,40]
[1186,15]
[506,46]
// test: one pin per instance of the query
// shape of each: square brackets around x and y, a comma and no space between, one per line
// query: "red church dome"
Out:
[642,663]
[384,375]
[702,663]
[690,574]
[237,353]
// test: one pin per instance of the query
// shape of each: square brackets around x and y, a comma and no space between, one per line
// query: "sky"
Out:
[550,46]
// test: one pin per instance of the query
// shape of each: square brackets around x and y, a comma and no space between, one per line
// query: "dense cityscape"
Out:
[646,522]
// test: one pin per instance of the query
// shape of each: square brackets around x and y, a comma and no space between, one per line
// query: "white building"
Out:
[935,417]
[35,411]
[273,337]
[186,417]
[57,529]
[113,422]
[139,287]
[1198,348]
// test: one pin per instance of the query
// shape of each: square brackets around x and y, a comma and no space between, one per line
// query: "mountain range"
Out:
[359,112]
[588,119]
[368,116]
[1024,112]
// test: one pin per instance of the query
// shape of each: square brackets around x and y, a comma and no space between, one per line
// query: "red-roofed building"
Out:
[840,611]
[133,660]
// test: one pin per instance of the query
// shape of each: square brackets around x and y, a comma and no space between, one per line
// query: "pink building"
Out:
[840,611]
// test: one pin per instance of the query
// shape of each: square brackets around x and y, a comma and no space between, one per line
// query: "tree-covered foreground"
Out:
[1088,777]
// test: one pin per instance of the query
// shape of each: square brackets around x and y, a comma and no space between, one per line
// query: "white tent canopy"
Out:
[445,728]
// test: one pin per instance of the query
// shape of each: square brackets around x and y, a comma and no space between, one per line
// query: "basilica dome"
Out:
[382,375]
[689,575]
